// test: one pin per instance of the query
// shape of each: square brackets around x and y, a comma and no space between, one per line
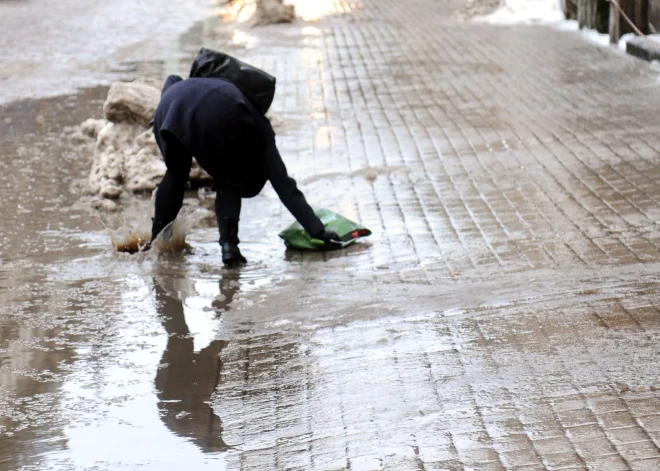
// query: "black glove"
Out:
[329,237]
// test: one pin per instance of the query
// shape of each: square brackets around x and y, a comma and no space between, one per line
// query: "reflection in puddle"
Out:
[143,400]
[241,38]
[188,373]
[310,31]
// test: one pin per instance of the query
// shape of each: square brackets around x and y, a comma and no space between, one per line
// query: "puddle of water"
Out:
[173,237]
[147,404]
[370,174]
[130,238]
[109,360]
[86,332]
[133,237]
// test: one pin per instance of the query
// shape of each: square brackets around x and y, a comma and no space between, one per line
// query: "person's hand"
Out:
[330,238]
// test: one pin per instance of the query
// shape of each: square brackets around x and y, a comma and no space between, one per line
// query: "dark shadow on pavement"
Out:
[295,255]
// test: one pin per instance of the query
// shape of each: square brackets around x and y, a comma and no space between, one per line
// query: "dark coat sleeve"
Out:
[288,191]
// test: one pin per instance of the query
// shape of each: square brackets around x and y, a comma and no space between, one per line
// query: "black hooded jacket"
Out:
[229,138]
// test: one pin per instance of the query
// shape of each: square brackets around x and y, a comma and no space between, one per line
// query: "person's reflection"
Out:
[186,379]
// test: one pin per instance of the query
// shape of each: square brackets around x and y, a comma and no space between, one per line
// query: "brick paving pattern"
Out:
[512,164]
[503,316]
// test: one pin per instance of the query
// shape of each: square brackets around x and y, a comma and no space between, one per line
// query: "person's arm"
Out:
[169,196]
[288,192]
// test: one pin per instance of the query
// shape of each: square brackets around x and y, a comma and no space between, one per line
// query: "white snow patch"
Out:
[653,38]
[548,12]
[624,40]
[525,12]
[589,35]
[595,37]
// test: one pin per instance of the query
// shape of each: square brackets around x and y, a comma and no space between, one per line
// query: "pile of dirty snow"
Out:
[477,8]
[273,12]
[259,12]
[126,157]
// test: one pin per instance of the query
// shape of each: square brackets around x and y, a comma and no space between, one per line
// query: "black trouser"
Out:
[228,211]
[227,205]
[169,196]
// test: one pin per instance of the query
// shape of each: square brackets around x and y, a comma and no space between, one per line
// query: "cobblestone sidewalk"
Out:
[504,314]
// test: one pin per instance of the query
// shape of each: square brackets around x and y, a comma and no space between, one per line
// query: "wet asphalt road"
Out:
[504,315]
[50,48]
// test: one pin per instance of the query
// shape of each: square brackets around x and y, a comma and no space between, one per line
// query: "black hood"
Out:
[171,80]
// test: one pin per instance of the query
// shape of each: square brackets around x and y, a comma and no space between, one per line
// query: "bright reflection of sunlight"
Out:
[201,319]
[324,137]
[246,12]
[314,10]
[241,38]
[312,58]
[309,10]
[239,11]
[310,31]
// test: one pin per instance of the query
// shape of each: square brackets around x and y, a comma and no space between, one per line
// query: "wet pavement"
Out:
[503,316]
[50,48]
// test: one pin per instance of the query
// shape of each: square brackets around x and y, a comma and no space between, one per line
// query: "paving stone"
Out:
[503,316]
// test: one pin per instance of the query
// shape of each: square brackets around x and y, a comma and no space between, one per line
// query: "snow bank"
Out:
[126,156]
[525,12]
[590,35]
[547,12]
[273,12]
[132,101]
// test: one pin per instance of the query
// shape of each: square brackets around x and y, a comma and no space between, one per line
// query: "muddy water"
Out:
[502,316]
[110,360]
[106,359]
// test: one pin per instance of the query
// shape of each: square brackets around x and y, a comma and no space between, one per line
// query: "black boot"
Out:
[231,255]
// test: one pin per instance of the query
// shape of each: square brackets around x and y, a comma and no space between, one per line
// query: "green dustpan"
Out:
[295,237]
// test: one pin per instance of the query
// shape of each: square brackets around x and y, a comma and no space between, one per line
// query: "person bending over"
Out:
[212,120]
